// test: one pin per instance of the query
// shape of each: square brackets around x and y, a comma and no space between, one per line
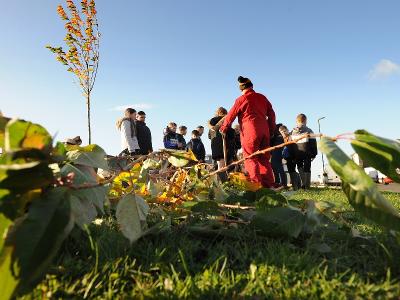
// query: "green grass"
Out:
[177,264]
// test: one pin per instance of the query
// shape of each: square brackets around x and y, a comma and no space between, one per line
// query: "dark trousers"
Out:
[303,164]
[279,172]
[125,152]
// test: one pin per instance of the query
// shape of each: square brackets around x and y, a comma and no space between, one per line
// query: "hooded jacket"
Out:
[128,135]
[171,140]
[306,147]
[144,138]
[197,147]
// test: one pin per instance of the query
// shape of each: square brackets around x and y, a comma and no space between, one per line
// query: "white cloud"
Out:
[383,69]
[137,106]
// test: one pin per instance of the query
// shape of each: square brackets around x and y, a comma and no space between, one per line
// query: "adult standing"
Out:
[217,144]
[257,120]
[127,126]
[143,134]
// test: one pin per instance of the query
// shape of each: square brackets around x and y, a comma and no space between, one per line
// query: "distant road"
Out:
[391,187]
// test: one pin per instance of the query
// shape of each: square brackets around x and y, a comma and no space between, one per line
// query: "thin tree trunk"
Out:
[88,116]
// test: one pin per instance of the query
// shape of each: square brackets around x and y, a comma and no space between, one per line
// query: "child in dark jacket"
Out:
[306,150]
[289,154]
[276,157]
[181,136]
[197,147]
[171,138]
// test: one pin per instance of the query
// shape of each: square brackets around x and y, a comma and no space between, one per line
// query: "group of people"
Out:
[176,140]
[257,130]
[135,135]
[297,157]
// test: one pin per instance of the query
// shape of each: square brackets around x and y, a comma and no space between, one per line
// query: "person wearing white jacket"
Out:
[127,126]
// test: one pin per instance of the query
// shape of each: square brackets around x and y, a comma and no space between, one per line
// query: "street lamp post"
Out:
[319,130]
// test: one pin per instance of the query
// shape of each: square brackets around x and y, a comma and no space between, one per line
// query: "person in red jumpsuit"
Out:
[257,121]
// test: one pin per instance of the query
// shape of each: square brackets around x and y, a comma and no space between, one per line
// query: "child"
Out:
[217,142]
[171,138]
[306,150]
[197,147]
[276,158]
[181,136]
[289,154]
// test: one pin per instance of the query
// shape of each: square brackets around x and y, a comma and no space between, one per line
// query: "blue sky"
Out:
[180,59]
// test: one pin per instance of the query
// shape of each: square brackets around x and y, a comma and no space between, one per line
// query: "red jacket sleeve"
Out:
[231,116]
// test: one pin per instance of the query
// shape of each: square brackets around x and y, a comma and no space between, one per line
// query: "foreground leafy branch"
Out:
[362,192]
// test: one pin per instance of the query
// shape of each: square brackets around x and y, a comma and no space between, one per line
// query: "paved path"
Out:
[391,187]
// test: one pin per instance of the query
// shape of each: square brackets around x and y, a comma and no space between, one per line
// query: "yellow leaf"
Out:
[240,180]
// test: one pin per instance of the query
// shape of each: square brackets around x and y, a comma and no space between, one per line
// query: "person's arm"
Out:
[219,124]
[202,152]
[271,119]
[189,146]
[126,134]
[231,116]
[313,148]
[182,141]
[150,141]
[210,126]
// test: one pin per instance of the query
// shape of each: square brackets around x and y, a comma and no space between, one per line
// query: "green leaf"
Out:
[178,162]
[181,154]
[268,193]
[315,217]
[266,198]
[95,195]
[147,165]
[207,208]
[22,134]
[380,153]
[131,212]
[322,248]
[3,123]
[359,188]
[13,205]
[31,246]
[116,163]
[279,222]
[59,149]
[242,198]
[8,283]
[26,176]
[83,211]
[91,156]
[5,222]
[155,188]
[23,156]
[220,195]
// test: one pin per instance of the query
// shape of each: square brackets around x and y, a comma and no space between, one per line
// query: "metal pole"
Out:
[319,130]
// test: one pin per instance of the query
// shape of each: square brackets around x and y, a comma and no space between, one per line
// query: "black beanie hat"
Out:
[244,83]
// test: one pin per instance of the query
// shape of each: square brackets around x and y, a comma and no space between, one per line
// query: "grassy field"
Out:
[178,264]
